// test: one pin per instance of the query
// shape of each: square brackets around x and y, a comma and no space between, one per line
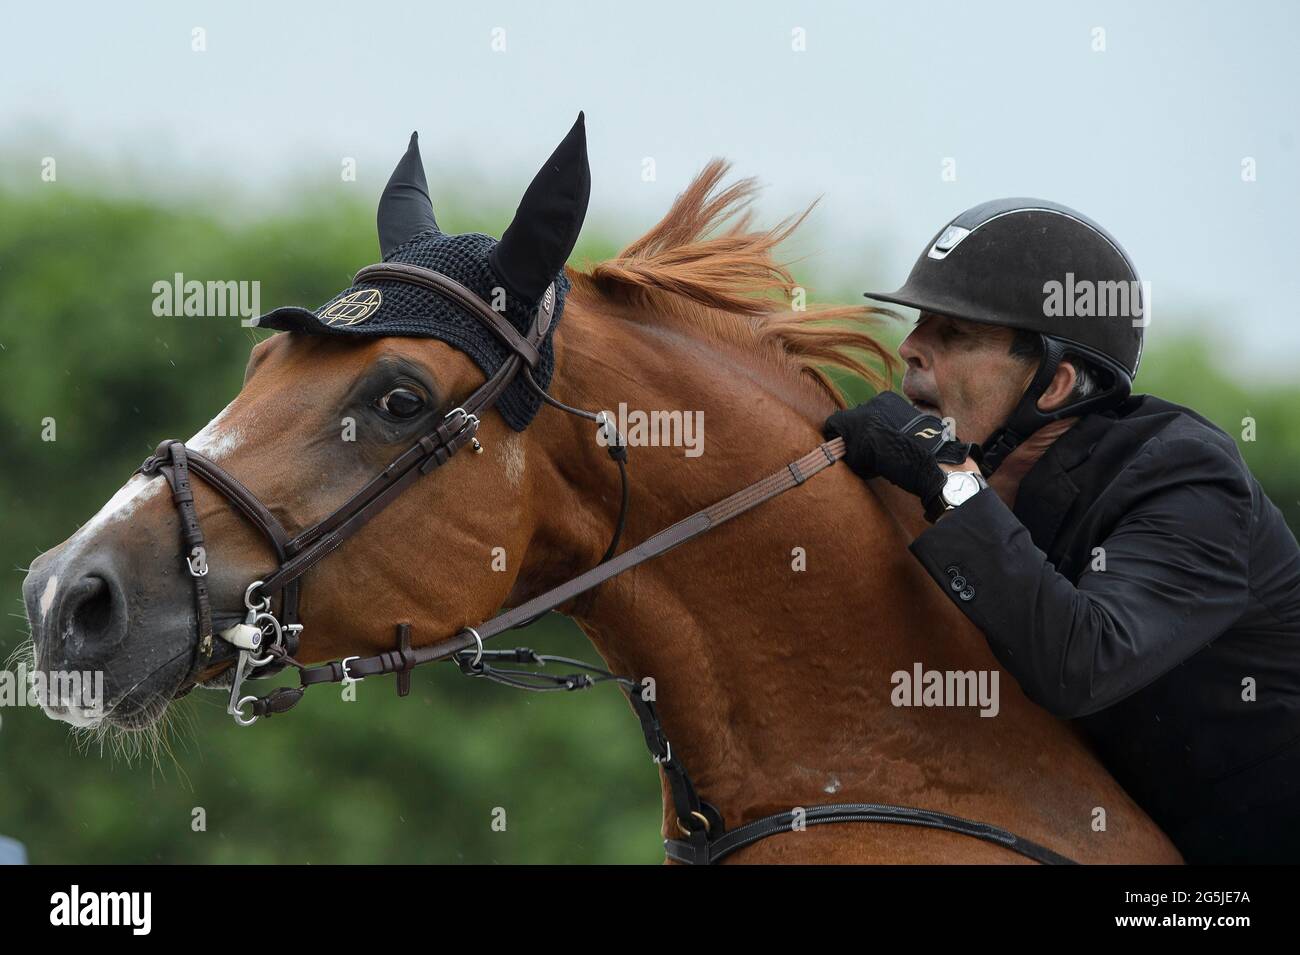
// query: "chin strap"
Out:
[1026,417]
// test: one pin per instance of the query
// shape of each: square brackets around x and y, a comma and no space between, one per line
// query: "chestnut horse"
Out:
[771,640]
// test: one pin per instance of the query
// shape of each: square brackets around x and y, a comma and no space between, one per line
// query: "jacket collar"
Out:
[1048,492]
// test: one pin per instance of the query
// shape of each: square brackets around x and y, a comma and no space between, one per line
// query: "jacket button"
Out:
[952,570]
[967,594]
[958,582]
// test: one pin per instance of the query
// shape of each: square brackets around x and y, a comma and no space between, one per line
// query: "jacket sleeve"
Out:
[1175,576]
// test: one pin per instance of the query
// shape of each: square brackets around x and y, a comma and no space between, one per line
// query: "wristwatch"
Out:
[958,488]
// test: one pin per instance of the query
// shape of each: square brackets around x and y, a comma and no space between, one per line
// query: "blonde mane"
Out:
[703,268]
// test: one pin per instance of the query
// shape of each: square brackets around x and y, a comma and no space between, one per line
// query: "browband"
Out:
[528,350]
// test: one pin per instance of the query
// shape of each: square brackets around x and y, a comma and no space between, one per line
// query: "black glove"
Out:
[887,437]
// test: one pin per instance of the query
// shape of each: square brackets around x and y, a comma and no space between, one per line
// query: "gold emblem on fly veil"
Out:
[928,433]
[353,308]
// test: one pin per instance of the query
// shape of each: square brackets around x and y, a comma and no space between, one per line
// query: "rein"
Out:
[266,643]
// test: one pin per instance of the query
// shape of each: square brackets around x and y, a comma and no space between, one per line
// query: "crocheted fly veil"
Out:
[510,275]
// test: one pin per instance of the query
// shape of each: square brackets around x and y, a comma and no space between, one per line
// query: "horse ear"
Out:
[545,228]
[405,209]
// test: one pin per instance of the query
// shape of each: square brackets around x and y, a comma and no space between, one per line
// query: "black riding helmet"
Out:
[1042,267]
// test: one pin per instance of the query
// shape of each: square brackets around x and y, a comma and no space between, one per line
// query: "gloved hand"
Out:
[887,437]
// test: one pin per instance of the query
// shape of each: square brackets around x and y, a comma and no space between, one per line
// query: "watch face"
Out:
[961,486]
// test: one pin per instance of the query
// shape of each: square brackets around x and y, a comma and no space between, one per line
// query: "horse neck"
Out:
[772,677]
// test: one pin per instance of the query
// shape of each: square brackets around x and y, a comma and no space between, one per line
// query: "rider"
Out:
[1116,552]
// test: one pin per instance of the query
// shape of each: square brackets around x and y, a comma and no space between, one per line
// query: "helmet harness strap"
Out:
[1027,417]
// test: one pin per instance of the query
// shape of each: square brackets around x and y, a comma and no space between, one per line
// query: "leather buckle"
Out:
[689,832]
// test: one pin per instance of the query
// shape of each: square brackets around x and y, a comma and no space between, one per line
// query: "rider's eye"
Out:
[402,403]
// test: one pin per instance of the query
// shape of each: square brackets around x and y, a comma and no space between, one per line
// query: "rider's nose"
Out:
[913,352]
[92,616]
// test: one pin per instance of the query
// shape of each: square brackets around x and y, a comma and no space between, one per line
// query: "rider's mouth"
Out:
[920,400]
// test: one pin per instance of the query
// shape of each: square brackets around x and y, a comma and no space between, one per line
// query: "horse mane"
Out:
[705,269]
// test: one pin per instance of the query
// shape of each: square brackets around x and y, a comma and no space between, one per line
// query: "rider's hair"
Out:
[1028,347]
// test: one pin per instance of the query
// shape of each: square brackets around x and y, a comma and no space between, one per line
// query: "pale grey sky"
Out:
[1147,137]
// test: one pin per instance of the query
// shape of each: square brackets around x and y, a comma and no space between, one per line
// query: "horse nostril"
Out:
[94,609]
[93,615]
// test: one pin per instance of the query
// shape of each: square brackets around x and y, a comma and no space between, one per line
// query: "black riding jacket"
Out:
[1145,586]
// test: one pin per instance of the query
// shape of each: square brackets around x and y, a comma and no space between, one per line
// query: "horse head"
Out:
[327,406]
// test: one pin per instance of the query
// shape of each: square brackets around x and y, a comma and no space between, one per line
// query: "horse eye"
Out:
[402,403]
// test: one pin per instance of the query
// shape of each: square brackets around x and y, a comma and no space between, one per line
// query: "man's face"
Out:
[964,371]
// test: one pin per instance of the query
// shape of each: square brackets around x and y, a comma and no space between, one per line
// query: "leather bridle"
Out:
[267,642]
